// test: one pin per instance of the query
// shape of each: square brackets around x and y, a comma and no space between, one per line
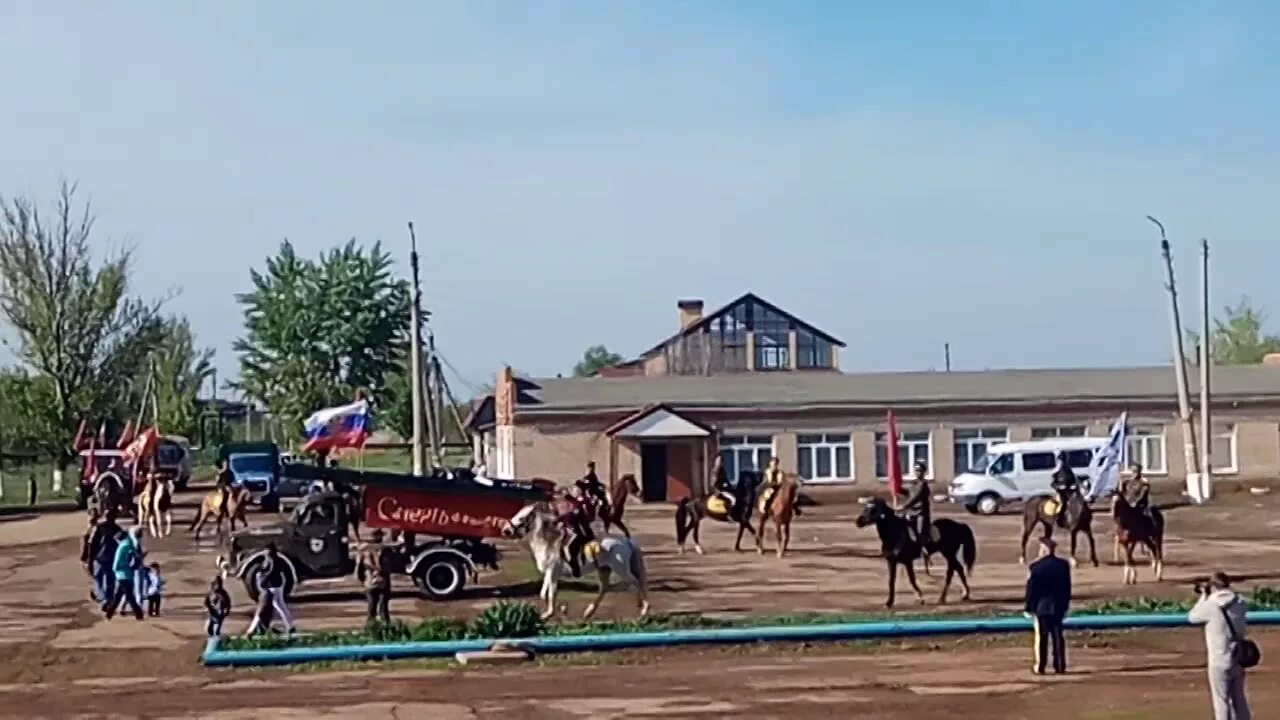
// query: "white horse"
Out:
[155,506]
[536,525]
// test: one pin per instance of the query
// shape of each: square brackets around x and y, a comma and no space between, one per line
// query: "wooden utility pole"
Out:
[946,355]
[415,359]
[1180,372]
[1206,365]
[433,401]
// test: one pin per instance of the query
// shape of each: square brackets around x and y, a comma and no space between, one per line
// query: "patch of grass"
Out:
[507,619]
[17,484]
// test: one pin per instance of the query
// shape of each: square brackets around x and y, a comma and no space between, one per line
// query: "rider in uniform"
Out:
[1138,491]
[918,506]
[223,482]
[373,568]
[591,485]
[1066,484]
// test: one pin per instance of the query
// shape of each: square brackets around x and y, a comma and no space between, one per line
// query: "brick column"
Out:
[784,448]
[864,456]
[942,456]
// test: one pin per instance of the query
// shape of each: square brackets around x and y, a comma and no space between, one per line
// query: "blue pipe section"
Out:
[214,657]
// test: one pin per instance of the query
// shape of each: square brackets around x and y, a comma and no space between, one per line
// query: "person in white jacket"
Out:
[1219,605]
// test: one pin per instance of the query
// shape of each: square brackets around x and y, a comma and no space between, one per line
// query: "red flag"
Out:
[895,471]
[79,442]
[126,436]
[102,434]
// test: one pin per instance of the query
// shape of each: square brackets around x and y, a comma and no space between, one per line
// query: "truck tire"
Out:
[82,499]
[988,503]
[440,578]
[251,572]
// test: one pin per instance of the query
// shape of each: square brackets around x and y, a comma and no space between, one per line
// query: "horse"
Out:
[619,490]
[949,538]
[211,508]
[1044,511]
[691,511]
[537,527]
[1134,527]
[155,506]
[779,505]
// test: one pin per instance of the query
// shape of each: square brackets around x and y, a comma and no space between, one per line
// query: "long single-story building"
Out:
[750,382]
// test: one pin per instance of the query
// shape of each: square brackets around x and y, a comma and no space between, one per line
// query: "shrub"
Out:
[508,620]
[440,628]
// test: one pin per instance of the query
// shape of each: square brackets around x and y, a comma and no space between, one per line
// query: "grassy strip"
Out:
[520,620]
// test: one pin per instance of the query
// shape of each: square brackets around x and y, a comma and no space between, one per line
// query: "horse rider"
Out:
[575,521]
[593,488]
[918,507]
[773,479]
[1066,484]
[1138,491]
[223,482]
[720,484]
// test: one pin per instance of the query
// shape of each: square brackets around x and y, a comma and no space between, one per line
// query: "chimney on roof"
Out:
[690,312]
[1271,359]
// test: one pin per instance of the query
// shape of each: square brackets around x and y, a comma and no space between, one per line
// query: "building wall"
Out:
[560,450]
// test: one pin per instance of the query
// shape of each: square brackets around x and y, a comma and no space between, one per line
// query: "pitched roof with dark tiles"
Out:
[800,389]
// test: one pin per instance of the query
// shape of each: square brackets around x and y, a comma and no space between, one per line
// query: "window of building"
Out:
[772,339]
[1223,453]
[1059,431]
[728,336]
[824,457]
[741,453]
[812,351]
[913,447]
[1146,446]
[972,443]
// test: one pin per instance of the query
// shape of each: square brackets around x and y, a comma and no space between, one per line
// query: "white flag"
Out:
[1108,462]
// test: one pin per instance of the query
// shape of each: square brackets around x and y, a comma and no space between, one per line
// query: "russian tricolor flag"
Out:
[337,427]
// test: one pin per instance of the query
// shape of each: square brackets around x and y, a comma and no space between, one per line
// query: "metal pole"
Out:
[432,401]
[1180,372]
[415,359]
[1206,365]
[946,355]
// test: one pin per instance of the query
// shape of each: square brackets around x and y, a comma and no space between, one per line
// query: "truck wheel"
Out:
[271,503]
[440,578]
[82,500]
[972,508]
[988,503]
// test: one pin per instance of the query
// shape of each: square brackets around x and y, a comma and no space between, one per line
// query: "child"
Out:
[153,586]
[218,604]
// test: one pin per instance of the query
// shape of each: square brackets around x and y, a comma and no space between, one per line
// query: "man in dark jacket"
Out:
[1066,484]
[100,552]
[593,488]
[1048,599]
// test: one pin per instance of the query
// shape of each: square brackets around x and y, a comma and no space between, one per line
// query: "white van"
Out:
[1016,471]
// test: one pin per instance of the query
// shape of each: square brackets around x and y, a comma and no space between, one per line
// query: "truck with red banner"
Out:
[444,525]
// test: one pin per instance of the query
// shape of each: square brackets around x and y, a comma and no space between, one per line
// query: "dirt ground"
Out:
[59,658]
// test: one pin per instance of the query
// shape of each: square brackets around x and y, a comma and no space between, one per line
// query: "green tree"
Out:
[317,330]
[1238,337]
[181,369]
[595,358]
[76,324]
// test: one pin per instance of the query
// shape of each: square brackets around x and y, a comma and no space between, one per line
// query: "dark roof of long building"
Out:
[803,389]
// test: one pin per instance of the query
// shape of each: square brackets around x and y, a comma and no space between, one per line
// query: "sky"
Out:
[901,175]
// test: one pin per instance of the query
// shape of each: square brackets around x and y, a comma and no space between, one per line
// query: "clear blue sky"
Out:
[899,174]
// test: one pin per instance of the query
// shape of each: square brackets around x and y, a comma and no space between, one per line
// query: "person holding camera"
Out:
[1222,613]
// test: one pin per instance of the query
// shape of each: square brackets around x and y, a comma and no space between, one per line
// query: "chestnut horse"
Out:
[619,490]
[779,505]
[211,508]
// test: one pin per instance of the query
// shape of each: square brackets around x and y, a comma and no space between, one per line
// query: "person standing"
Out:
[1048,598]
[125,566]
[1222,613]
[102,553]
[218,604]
[373,568]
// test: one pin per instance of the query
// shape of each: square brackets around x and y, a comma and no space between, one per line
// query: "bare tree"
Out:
[76,323]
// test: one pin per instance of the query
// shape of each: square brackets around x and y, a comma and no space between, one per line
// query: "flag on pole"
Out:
[1109,461]
[891,459]
[338,427]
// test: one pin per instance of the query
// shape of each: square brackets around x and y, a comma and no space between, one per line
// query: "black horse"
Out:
[691,511]
[955,542]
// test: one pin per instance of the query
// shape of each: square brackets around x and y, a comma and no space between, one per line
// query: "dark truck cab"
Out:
[446,521]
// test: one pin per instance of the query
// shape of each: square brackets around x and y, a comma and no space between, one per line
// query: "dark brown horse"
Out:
[1044,511]
[1134,528]
[691,511]
[955,542]
[619,490]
